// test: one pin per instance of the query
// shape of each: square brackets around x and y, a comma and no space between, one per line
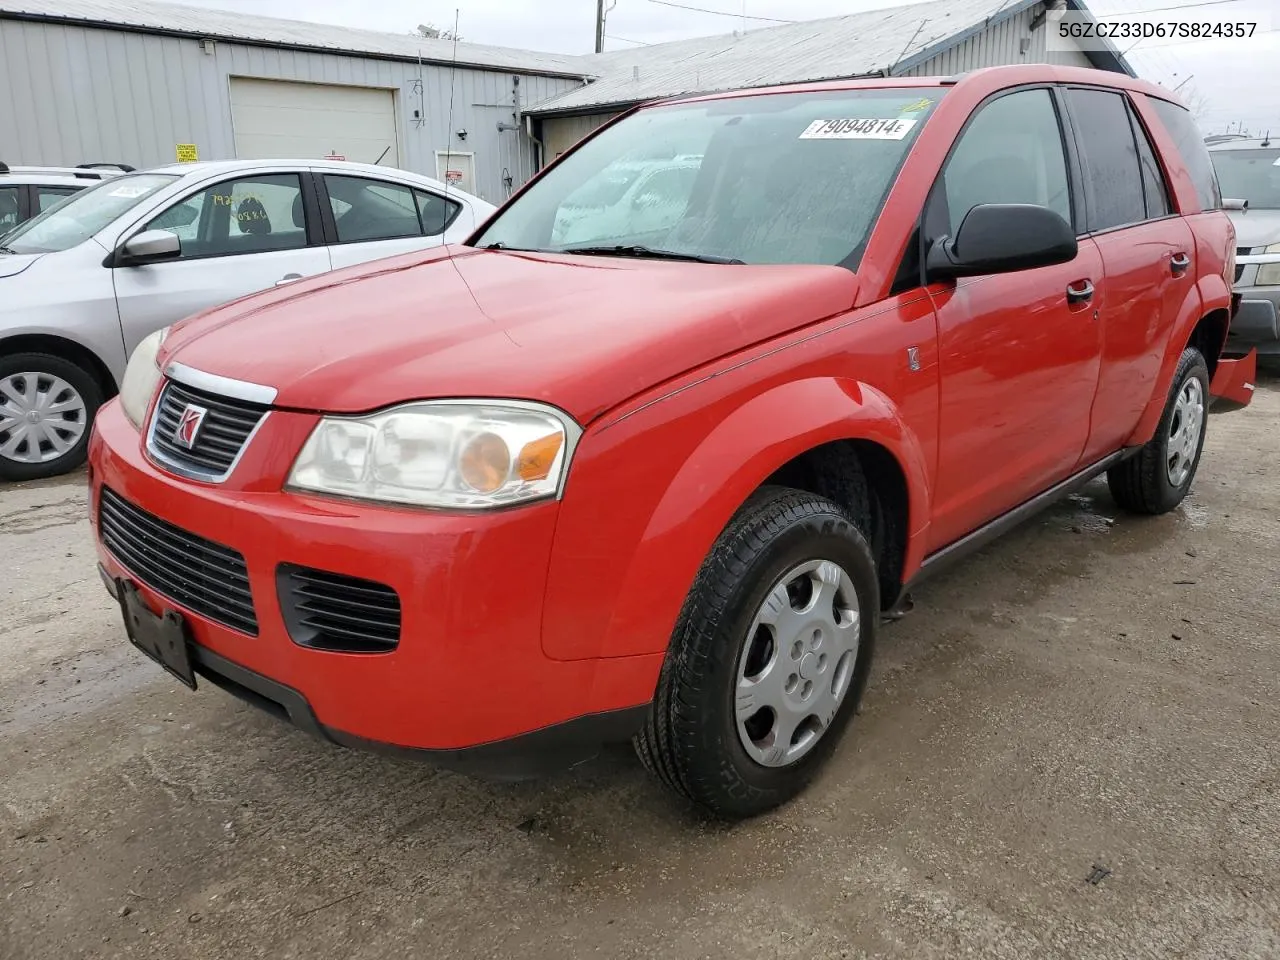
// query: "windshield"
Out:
[776,178]
[79,217]
[1252,175]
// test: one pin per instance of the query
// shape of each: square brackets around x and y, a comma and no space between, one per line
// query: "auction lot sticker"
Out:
[892,129]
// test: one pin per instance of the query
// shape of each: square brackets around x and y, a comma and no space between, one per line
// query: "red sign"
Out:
[335,156]
[453,176]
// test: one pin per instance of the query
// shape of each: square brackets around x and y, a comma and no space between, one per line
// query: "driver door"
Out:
[1019,352]
[238,237]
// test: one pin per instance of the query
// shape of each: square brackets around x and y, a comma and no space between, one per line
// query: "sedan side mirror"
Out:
[150,246]
[1231,203]
[1002,238]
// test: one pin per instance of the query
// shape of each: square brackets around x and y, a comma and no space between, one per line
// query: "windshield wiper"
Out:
[646,253]
[4,249]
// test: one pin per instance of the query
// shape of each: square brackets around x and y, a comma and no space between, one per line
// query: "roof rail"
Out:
[122,167]
[85,171]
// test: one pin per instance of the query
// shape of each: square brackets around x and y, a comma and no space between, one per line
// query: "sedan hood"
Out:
[12,264]
[581,333]
[1256,228]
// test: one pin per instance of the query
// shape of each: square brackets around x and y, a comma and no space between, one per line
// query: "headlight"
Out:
[456,454]
[141,377]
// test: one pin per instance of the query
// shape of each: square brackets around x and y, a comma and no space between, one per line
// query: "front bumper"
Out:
[468,686]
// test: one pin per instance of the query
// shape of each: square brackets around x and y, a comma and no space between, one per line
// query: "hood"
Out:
[582,333]
[1256,228]
[12,264]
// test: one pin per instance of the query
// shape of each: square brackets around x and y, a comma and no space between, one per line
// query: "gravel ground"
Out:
[1071,749]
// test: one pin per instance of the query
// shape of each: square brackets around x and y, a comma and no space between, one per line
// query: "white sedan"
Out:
[84,282]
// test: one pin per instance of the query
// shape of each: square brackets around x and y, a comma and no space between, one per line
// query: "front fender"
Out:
[1210,293]
[637,575]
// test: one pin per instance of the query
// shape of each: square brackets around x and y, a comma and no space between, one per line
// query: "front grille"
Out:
[331,611]
[222,434]
[1239,272]
[1244,251]
[198,574]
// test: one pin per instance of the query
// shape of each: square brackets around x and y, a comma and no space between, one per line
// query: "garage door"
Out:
[274,119]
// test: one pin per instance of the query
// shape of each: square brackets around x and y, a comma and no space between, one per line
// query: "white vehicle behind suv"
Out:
[82,283]
[27,192]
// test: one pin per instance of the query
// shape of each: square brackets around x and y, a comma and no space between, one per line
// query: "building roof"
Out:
[855,45]
[174,19]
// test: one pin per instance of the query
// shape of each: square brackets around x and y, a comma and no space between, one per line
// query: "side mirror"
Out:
[148,247]
[1233,204]
[1002,238]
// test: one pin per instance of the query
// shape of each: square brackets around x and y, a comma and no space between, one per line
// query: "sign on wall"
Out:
[187,152]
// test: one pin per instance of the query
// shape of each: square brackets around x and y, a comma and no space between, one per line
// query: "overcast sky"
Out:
[1232,81]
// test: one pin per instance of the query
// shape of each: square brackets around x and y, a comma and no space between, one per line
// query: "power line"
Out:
[1182,6]
[638,43]
[720,13]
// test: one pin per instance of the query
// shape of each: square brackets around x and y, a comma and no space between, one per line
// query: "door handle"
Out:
[1178,265]
[289,278]
[1081,292]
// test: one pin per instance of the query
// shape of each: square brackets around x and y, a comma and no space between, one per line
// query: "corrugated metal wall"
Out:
[561,133]
[997,46]
[75,95]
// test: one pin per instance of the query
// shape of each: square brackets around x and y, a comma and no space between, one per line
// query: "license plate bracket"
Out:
[165,638]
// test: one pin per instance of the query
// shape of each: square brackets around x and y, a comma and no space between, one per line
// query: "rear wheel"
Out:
[769,657]
[46,406]
[1158,478]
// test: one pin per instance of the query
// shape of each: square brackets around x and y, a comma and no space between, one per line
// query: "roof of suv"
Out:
[80,175]
[1007,75]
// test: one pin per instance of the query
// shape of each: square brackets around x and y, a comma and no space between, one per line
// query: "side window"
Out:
[1110,158]
[1154,191]
[47,197]
[372,209]
[1011,152]
[8,209]
[1187,138]
[250,215]
[435,212]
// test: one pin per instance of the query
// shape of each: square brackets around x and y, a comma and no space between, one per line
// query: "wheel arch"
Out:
[791,427]
[1203,320]
[70,350]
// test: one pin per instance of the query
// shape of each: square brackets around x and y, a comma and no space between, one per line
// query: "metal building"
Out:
[941,38]
[146,83]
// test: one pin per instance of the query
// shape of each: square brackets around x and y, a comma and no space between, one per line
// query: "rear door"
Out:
[367,218]
[1147,253]
[238,236]
[1018,352]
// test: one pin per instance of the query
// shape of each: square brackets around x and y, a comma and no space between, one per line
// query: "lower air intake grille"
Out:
[331,611]
[197,574]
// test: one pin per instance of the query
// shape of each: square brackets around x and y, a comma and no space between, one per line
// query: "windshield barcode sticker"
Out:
[894,129]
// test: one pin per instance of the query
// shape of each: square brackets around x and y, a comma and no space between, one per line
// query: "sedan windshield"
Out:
[775,178]
[1252,175]
[78,218]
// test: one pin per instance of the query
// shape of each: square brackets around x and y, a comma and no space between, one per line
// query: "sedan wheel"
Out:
[42,417]
[47,405]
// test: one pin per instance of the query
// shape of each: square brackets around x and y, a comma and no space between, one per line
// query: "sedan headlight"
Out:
[455,454]
[1269,273]
[141,377]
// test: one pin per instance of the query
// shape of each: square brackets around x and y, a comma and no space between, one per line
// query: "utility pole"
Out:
[600,26]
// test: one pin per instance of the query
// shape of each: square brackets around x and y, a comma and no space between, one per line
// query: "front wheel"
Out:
[46,406]
[769,657]
[1159,476]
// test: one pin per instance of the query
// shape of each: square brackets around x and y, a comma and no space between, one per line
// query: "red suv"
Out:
[660,471]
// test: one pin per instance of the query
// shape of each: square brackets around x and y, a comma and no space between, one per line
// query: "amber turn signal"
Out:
[537,458]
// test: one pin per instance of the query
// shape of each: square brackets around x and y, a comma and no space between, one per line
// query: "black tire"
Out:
[81,381]
[1141,484]
[691,741]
